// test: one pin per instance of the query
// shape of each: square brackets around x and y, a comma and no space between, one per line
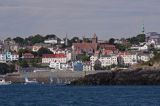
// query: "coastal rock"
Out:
[132,77]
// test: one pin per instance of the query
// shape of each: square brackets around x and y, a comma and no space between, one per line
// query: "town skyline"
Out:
[106,18]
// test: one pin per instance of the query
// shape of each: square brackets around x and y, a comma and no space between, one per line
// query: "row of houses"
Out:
[123,58]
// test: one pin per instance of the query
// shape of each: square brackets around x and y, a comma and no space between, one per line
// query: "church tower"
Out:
[94,39]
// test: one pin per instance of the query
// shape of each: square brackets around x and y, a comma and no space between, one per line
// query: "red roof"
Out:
[60,55]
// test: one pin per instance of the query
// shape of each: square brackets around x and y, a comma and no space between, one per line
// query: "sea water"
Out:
[50,95]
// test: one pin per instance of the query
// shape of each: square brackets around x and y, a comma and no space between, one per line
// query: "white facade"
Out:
[49,60]
[58,65]
[140,48]
[51,41]
[92,60]
[144,58]
[8,57]
[66,52]
[108,60]
[129,58]
[87,67]
[105,60]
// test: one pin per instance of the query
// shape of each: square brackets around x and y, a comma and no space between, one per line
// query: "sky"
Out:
[106,18]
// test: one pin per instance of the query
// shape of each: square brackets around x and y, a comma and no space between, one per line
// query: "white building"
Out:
[51,41]
[143,57]
[108,60]
[48,58]
[105,60]
[87,67]
[143,47]
[58,65]
[92,60]
[8,56]
[128,58]
[54,41]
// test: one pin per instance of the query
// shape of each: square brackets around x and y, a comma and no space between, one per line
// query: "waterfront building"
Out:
[58,65]
[87,66]
[127,58]
[108,60]
[48,58]
[105,60]
[77,66]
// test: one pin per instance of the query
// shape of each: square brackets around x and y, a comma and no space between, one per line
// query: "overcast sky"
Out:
[107,18]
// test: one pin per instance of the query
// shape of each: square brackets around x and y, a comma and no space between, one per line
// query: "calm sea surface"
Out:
[49,95]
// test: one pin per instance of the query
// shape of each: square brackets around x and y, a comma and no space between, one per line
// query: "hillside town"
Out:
[86,54]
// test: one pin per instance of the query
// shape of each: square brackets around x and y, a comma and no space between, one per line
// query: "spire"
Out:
[143,29]
[94,35]
[66,40]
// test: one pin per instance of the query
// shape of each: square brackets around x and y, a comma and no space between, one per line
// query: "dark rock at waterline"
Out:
[129,77]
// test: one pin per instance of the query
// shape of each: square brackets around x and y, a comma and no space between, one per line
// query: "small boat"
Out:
[3,82]
[27,81]
[30,81]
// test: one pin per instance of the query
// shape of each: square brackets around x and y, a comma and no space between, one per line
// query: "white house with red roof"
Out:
[48,58]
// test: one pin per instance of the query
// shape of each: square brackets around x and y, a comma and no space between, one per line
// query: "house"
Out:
[37,46]
[87,66]
[11,45]
[48,58]
[127,58]
[107,52]
[77,66]
[27,56]
[58,65]
[108,60]
[144,57]
[92,60]
[8,56]
[142,47]
[67,52]
[51,41]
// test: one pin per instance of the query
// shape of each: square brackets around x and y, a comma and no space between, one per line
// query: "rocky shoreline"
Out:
[137,76]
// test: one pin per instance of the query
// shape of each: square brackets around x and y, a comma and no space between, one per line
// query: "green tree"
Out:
[121,47]
[85,58]
[141,37]
[23,63]
[20,41]
[75,40]
[35,39]
[5,68]
[111,41]
[22,51]
[42,51]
